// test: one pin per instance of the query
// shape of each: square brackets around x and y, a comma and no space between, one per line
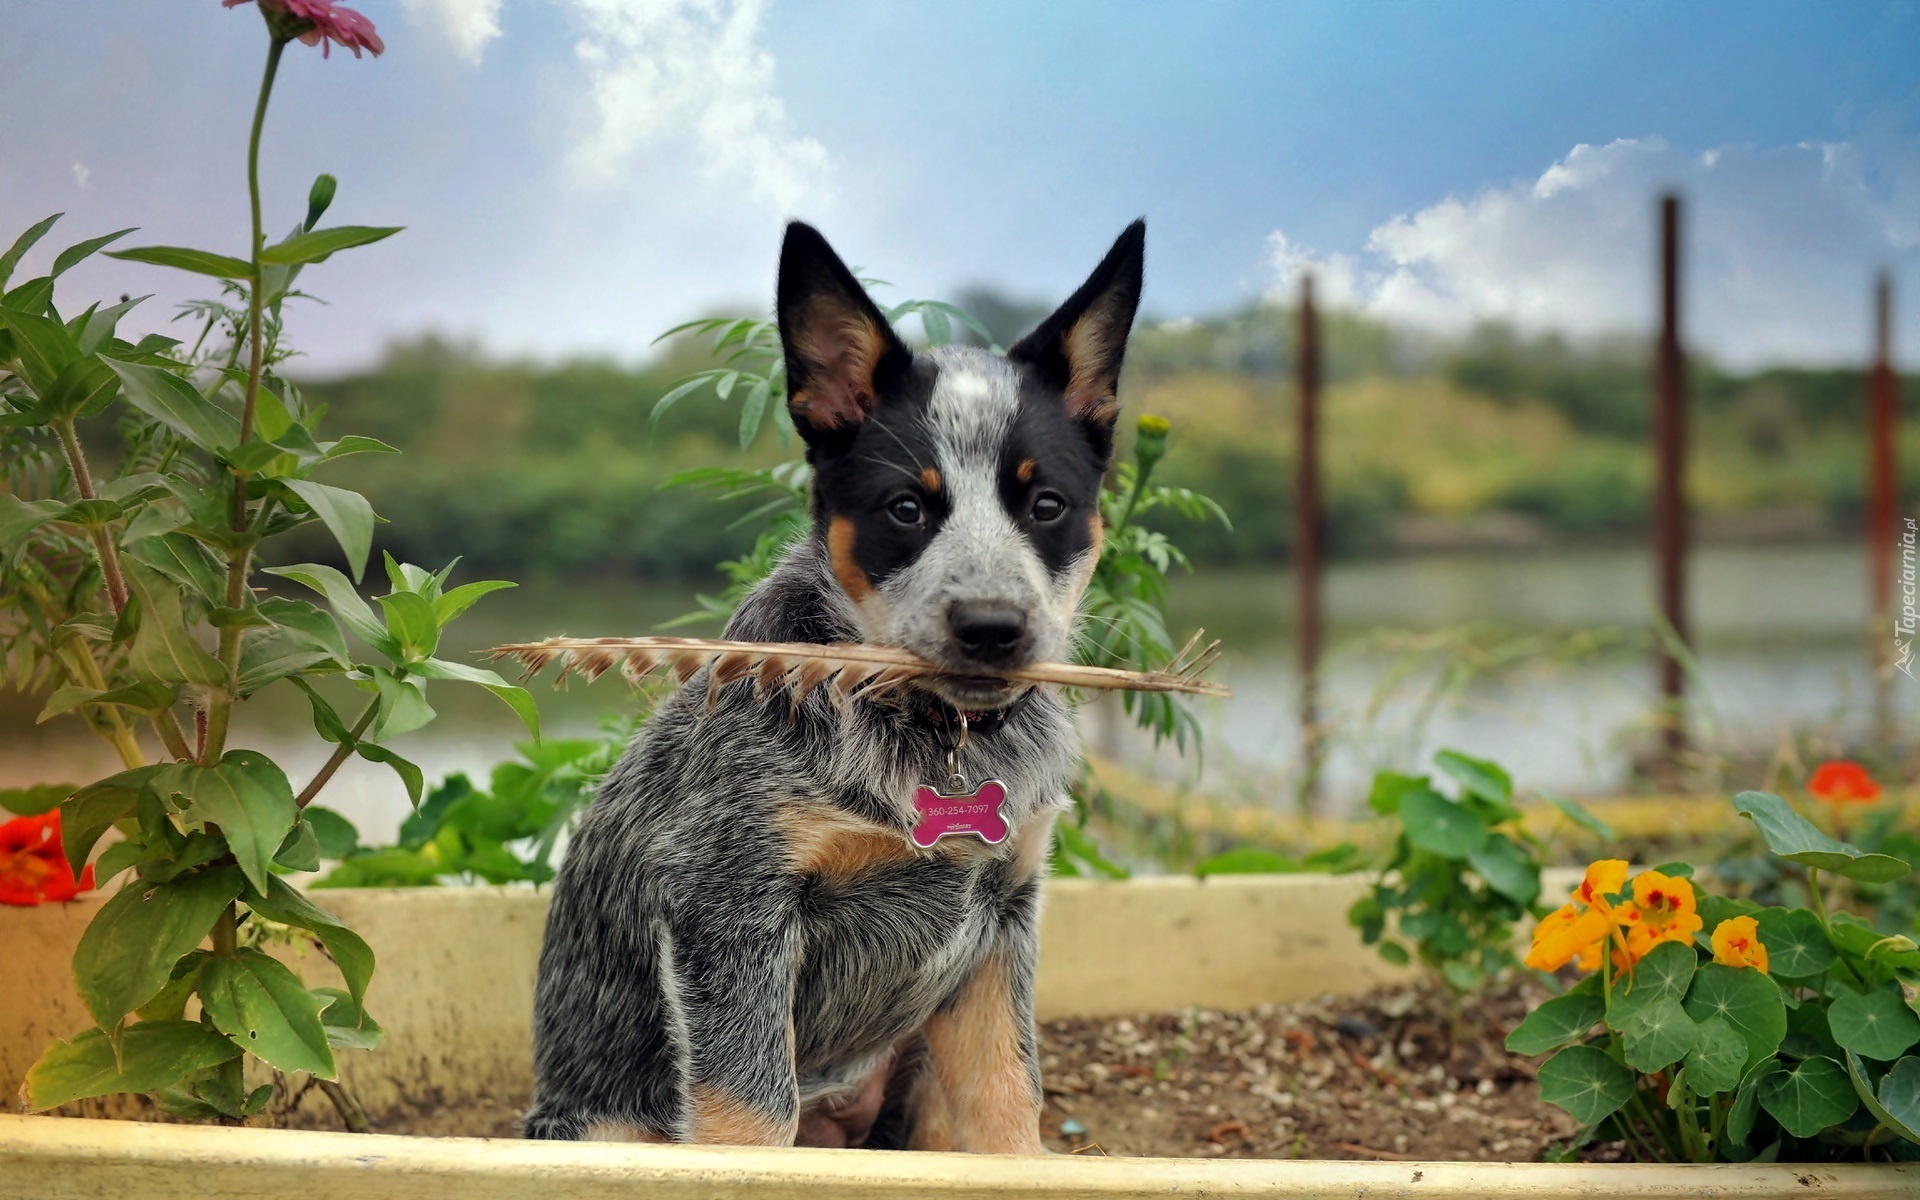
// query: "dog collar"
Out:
[943,716]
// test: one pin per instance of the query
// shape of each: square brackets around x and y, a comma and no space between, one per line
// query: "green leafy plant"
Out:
[1460,873]
[1718,1030]
[128,594]
[505,834]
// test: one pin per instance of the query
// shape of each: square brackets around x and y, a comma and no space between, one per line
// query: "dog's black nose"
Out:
[988,632]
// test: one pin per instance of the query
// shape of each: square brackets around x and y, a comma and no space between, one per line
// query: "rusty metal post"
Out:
[1307,540]
[1669,498]
[1883,499]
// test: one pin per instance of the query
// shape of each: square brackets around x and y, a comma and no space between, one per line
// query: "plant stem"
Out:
[240,558]
[339,755]
[83,479]
[1819,901]
[348,1105]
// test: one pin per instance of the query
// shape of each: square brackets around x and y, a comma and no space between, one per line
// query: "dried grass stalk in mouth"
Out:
[849,672]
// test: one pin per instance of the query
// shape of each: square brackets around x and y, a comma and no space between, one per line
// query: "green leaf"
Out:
[175,403]
[315,245]
[1247,860]
[1796,943]
[1746,999]
[34,800]
[410,775]
[515,698]
[1561,1021]
[347,515]
[1439,826]
[264,1008]
[348,1025]
[1586,1083]
[20,517]
[1852,935]
[1746,1101]
[411,624]
[200,262]
[1796,839]
[147,697]
[1476,776]
[1808,1033]
[128,951]
[79,252]
[1715,1062]
[1876,1024]
[1662,974]
[345,602]
[308,624]
[1580,815]
[151,1055]
[1898,1104]
[91,811]
[459,600]
[43,346]
[403,705]
[22,244]
[1506,868]
[275,654]
[170,1003]
[1389,788]
[184,561]
[164,648]
[349,952]
[247,796]
[1659,1035]
[335,835]
[1809,1097]
[300,850]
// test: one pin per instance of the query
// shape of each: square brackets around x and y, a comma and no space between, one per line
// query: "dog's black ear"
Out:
[1078,349]
[839,347]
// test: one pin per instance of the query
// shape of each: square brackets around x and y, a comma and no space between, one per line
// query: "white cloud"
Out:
[690,76]
[465,25]
[1779,246]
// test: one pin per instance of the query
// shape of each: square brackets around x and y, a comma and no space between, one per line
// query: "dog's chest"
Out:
[882,949]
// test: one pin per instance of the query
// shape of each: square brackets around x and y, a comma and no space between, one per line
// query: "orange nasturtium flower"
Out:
[1736,943]
[1843,782]
[1663,911]
[33,868]
[1579,928]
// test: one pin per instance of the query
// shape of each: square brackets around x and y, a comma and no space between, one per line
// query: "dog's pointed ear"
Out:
[839,347]
[1078,349]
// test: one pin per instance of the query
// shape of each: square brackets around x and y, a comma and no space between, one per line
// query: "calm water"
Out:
[1480,653]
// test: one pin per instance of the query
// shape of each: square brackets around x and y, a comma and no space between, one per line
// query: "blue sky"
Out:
[577,174]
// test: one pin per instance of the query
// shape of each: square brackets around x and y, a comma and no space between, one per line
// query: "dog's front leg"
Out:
[733,973]
[986,1071]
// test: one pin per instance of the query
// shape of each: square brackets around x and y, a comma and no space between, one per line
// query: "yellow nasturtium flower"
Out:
[1565,933]
[1603,879]
[1736,943]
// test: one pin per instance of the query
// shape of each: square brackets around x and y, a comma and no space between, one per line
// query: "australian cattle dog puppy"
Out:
[758,935]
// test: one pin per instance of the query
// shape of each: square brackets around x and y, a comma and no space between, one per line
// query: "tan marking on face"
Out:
[930,478]
[1024,472]
[853,581]
[837,845]
[1089,393]
[723,1119]
[620,1131]
[975,1048]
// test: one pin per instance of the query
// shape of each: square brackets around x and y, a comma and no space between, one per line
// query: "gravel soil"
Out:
[1386,1075]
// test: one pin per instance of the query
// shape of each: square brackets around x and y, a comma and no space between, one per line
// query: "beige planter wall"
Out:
[454,984]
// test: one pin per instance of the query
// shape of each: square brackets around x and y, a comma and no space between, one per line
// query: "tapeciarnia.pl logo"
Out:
[1904,625]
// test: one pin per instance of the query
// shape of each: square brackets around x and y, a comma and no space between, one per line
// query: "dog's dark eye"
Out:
[906,510]
[1049,507]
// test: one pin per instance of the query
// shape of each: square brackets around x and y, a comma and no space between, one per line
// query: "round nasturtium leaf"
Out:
[1898,1104]
[1663,974]
[1811,1095]
[1876,1024]
[1746,999]
[1439,826]
[1746,1101]
[1797,945]
[1659,1035]
[1715,1062]
[1586,1083]
[1561,1021]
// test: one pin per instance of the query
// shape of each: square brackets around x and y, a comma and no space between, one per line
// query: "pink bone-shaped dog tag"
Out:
[976,813]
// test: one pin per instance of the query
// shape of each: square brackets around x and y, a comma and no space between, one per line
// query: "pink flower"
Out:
[319,23]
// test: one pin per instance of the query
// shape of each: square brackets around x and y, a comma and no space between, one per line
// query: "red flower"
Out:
[1843,782]
[33,867]
[319,23]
